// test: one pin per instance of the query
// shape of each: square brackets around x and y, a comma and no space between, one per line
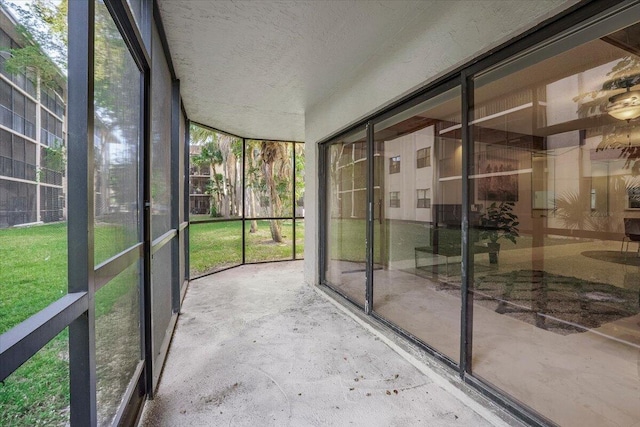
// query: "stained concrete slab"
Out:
[255,346]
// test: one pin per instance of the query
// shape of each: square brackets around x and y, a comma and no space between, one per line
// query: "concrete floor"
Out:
[589,379]
[255,346]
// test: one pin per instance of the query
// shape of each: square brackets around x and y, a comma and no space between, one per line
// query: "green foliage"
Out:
[300,160]
[55,16]
[54,158]
[499,222]
[43,24]
[223,154]
[110,59]
[575,212]
[268,174]
[31,59]
[572,210]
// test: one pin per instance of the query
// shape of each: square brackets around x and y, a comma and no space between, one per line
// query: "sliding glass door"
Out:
[494,218]
[346,211]
[417,221]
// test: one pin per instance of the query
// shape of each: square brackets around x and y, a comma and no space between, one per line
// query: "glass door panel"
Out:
[556,313]
[417,221]
[346,210]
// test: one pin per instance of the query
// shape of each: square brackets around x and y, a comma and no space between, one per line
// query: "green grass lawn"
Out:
[33,274]
[37,393]
[33,271]
[347,239]
[217,245]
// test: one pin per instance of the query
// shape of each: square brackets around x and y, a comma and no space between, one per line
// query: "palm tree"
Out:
[277,171]
[210,156]
[252,180]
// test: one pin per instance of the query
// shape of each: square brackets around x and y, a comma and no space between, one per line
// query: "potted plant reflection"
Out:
[498,222]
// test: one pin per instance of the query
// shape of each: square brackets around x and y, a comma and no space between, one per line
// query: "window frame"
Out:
[423,157]
[394,199]
[394,164]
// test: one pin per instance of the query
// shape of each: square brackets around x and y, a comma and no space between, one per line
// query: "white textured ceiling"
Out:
[252,67]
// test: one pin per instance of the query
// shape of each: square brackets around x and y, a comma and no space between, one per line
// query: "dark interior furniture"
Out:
[445,237]
[631,234]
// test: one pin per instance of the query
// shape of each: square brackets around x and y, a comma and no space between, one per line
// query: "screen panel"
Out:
[160,140]
[118,349]
[116,141]
[37,393]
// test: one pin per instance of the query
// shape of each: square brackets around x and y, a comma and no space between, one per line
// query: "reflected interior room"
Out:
[553,212]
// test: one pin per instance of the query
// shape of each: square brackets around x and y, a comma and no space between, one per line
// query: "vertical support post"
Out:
[244,196]
[187,198]
[293,188]
[39,146]
[322,153]
[146,218]
[141,223]
[82,349]
[175,193]
[466,323]
[143,203]
[368,303]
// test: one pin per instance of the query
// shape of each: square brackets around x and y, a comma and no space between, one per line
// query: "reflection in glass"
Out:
[117,340]
[160,140]
[260,242]
[37,393]
[137,8]
[346,203]
[554,178]
[417,214]
[214,246]
[215,187]
[116,140]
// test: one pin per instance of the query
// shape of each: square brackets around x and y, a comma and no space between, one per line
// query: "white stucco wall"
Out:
[437,39]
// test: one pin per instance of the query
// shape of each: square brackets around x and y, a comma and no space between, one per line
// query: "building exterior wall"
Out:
[434,42]
[410,178]
[199,180]
[534,192]
[32,141]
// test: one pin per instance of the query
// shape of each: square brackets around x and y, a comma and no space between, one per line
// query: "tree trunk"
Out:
[276,230]
[225,190]
[274,203]
[218,198]
[252,208]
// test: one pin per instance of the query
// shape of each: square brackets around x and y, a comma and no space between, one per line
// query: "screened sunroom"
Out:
[462,178]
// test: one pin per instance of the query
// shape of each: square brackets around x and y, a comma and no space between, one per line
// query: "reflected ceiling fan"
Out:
[625,105]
